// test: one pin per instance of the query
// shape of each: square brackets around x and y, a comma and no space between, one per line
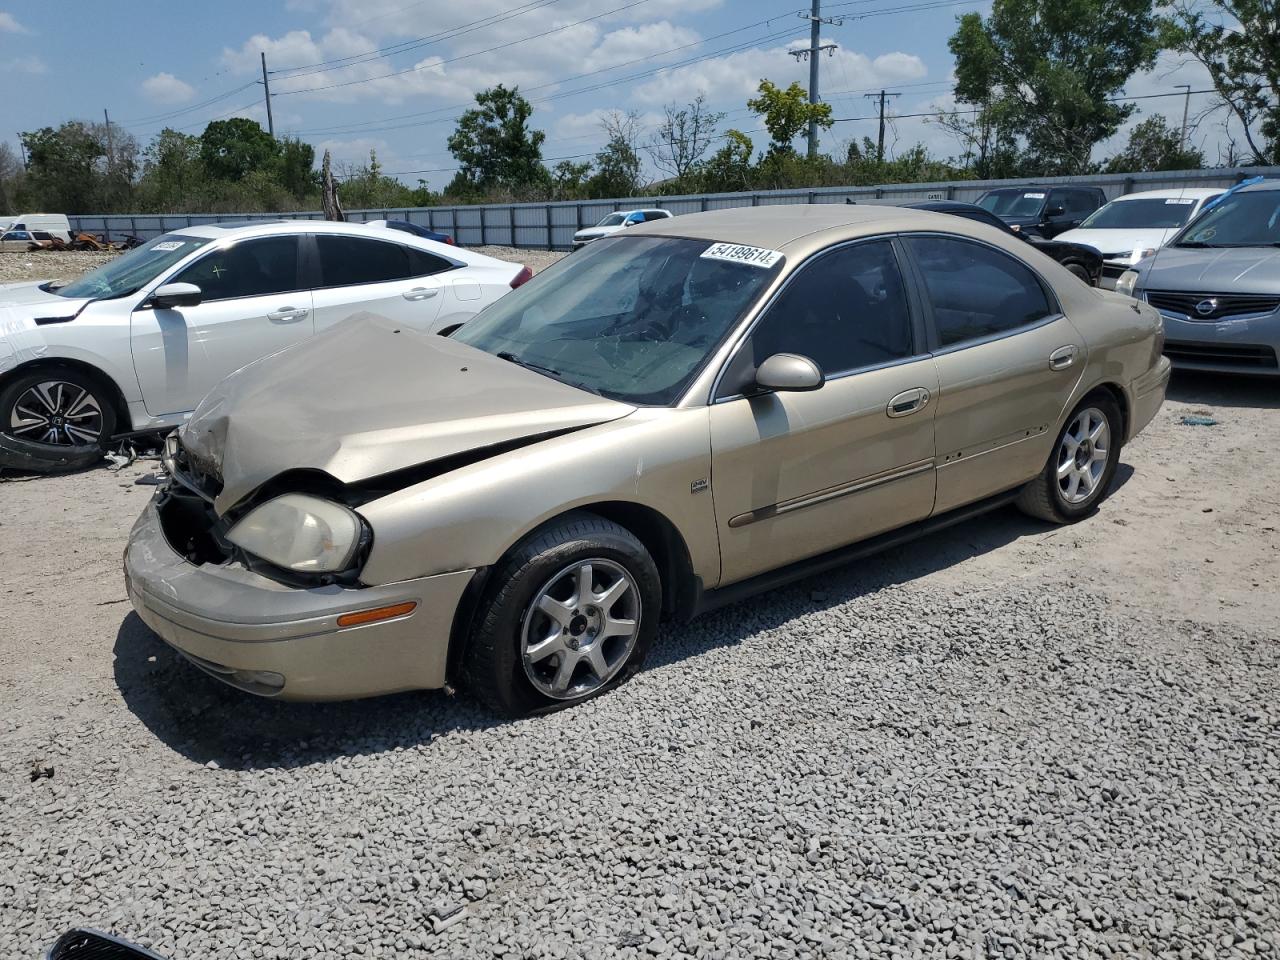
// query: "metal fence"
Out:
[552,225]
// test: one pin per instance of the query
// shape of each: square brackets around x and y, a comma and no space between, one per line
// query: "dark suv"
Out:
[1042,211]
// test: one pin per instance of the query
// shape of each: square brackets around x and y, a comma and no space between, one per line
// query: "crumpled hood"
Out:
[369,397]
[1120,241]
[29,298]
[1224,270]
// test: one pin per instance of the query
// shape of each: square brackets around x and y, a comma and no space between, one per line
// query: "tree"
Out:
[296,166]
[787,112]
[568,180]
[1049,70]
[684,137]
[729,168]
[173,174]
[618,162]
[991,151]
[232,149]
[1243,60]
[11,174]
[66,168]
[494,145]
[1153,146]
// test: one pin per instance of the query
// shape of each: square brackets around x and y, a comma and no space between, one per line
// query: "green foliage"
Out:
[368,187]
[618,163]
[1153,146]
[495,147]
[787,112]
[1046,71]
[569,179]
[1243,61]
[232,149]
[729,168]
[65,167]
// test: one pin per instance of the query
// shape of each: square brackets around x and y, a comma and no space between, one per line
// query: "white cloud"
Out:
[32,66]
[8,24]
[166,88]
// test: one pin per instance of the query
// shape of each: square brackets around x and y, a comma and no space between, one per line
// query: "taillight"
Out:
[523,277]
[450,241]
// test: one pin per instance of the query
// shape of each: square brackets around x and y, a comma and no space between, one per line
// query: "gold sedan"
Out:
[668,420]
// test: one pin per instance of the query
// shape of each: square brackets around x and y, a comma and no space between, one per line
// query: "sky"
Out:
[352,76]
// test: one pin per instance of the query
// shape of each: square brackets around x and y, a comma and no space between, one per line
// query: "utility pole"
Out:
[266,89]
[111,153]
[22,145]
[810,53]
[880,142]
[1186,106]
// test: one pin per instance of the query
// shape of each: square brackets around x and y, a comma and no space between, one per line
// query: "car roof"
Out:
[1265,185]
[1193,193]
[801,227]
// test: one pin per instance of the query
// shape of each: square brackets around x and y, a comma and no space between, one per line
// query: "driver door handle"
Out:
[287,314]
[908,402]
[1062,358]
[420,293]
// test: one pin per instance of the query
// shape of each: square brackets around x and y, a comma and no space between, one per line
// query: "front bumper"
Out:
[275,640]
[1233,345]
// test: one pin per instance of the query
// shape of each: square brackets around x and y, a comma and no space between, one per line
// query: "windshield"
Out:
[132,270]
[612,220]
[629,318]
[1013,203]
[1158,213]
[1250,219]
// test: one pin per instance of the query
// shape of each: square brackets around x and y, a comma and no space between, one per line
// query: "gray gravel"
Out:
[1004,741]
[885,770]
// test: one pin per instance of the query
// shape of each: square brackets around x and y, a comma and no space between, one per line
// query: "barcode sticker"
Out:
[169,245]
[1033,196]
[1181,200]
[737,253]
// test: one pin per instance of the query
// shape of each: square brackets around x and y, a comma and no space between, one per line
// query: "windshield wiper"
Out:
[519,361]
[1198,244]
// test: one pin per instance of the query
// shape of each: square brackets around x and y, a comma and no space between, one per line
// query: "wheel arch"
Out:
[114,394]
[1114,391]
[665,543]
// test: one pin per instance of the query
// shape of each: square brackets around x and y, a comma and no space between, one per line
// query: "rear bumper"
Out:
[1148,396]
[274,640]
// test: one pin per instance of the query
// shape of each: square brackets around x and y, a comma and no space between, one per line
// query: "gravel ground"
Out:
[68,264]
[1004,741]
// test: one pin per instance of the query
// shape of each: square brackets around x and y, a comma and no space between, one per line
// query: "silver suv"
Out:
[1217,285]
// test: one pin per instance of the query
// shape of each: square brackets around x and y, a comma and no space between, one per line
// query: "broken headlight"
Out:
[301,533]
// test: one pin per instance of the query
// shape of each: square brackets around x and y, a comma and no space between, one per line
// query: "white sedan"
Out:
[135,344]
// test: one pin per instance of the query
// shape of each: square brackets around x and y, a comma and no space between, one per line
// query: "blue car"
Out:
[415,229]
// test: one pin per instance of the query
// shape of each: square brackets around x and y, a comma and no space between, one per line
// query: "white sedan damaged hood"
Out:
[370,397]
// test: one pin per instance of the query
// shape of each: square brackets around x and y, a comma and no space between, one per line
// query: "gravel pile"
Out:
[49,264]
[853,767]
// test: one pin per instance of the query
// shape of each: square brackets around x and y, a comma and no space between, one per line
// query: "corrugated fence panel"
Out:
[525,224]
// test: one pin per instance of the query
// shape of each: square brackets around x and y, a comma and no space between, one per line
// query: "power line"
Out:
[467,56]
[405,46]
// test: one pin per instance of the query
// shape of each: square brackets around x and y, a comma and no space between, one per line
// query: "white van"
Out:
[54,223]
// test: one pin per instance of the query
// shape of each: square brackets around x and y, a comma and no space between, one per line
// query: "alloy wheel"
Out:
[58,413]
[580,628]
[1082,455]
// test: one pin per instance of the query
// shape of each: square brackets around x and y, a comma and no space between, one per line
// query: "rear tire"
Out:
[54,419]
[540,642]
[1081,465]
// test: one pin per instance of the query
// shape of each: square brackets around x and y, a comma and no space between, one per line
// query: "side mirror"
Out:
[630,223]
[1056,211]
[172,295]
[789,372]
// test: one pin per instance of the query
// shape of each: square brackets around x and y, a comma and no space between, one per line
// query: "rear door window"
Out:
[976,291]
[351,261]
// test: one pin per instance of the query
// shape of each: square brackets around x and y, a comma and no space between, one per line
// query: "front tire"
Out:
[1080,468]
[54,419]
[571,613]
